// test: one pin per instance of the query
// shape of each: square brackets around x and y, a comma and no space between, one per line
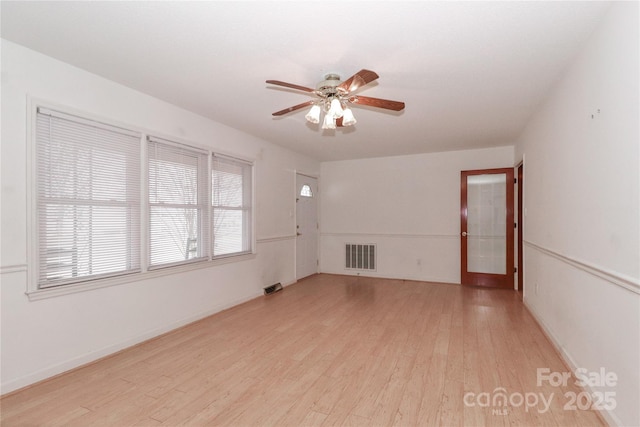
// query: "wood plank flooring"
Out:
[327,351]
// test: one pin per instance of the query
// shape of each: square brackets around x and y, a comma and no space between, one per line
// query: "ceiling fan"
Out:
[334,96]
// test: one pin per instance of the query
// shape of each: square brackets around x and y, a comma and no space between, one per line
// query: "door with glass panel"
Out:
[487,228]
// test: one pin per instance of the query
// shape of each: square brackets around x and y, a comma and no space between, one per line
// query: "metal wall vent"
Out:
[273,288]
[360,257]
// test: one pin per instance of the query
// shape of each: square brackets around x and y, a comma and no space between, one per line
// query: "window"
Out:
[109,203]
[231,184]
[178,227]
[87,199]
[305,191]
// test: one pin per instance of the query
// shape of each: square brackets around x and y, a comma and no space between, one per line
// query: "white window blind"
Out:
[231,184]
[87,201]
[178,204]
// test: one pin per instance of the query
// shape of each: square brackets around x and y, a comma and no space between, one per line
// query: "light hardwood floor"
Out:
[327,351]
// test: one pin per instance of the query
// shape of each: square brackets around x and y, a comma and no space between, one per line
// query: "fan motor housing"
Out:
[328,86]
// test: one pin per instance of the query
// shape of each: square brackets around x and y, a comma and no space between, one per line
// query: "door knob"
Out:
[464,234]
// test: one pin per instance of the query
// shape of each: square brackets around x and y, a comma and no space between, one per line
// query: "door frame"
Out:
[520,229]
[505,281]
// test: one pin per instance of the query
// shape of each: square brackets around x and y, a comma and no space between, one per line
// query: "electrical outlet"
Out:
[536,288]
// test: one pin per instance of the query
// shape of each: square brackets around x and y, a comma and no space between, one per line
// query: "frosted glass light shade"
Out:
[313,116]
[329,122]
[335,110]
[347,118]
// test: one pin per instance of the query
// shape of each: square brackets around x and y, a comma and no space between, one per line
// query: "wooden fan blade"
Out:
[294,108]
[290,85]
[359,79]
[377,102]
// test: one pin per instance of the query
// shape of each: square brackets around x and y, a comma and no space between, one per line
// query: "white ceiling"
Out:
[471,73]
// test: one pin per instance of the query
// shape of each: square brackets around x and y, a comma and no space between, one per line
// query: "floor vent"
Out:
[273,288]
[360,257]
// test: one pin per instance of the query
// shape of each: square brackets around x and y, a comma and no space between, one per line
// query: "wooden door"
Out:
[486,225]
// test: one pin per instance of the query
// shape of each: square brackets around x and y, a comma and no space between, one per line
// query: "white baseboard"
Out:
[85,359]
[365,273]
[608,416]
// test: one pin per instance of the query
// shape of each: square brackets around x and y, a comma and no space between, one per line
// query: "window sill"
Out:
[39,294]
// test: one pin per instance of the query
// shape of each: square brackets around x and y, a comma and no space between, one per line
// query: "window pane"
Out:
[230,234]
[231,198]
[83,241]
[88,199]
[173,176]
[177,197]
[305,191]
[227,190]
[174,234]
[486,223]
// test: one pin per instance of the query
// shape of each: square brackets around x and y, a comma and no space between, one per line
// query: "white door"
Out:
[306,226]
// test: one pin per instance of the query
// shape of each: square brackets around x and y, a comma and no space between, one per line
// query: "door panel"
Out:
[486,223]
[306,226]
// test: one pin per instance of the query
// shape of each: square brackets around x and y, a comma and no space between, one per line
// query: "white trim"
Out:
[394,235]
[145,208]
[609,417]
[626,282]
[175,144]
[218,154]
[17,268]
[375,275]
[31,196]
[87,122]
[254,200]
[89,285]
[114,348]
[275,239]
[307,175]
[106,351]
[34,102]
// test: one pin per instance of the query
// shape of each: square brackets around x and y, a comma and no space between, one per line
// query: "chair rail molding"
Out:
[626,282]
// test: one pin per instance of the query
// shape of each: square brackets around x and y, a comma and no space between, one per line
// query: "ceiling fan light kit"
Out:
[347,117]
[333,98]
[313,116]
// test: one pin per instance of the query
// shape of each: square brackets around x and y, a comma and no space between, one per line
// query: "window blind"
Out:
[87,199]
[178,188]
[231,182]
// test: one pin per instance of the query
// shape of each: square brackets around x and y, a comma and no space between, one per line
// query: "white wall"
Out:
[581,187]
[408,205]
[45,337]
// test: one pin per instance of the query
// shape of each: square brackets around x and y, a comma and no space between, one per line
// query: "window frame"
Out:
[204,232]
[34,292]
[87,205]
[251,221]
